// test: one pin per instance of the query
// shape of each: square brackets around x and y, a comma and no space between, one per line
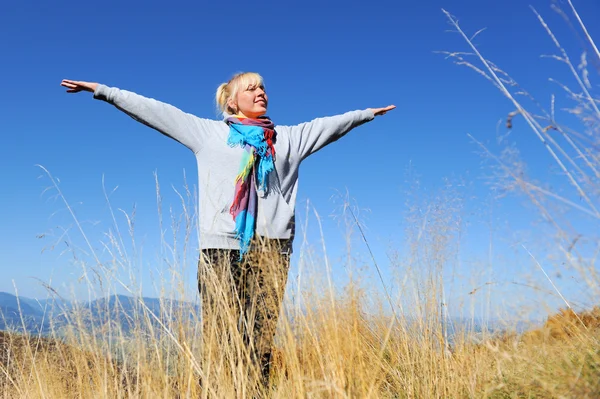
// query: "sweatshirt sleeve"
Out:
[308,138]
[167,119]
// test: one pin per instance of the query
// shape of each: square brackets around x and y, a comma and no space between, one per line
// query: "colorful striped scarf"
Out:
[256,137]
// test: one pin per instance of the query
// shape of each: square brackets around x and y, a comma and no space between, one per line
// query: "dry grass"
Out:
[334,351]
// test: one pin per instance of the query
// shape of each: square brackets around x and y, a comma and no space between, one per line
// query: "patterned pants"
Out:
[244,296]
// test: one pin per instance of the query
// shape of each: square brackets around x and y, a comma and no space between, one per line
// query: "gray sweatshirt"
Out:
[218,163]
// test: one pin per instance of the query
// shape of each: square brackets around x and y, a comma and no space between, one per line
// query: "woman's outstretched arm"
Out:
[310,137]
[186,128]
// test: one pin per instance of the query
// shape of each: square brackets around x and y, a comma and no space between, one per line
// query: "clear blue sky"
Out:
[318,58]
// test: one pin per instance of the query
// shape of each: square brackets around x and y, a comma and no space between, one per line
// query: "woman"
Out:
[248,180]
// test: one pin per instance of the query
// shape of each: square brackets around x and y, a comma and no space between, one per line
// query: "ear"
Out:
[232,105]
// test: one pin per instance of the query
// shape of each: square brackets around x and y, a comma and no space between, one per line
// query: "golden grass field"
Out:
[333,351]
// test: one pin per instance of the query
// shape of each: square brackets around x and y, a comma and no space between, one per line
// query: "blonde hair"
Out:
[229,90]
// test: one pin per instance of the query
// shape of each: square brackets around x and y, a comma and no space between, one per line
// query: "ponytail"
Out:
[222,97]
[229,90]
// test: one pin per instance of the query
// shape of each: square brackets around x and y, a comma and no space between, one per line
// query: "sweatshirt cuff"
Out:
[102,93]
[368,114]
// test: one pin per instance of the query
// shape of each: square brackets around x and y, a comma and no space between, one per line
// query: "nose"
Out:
[261,95]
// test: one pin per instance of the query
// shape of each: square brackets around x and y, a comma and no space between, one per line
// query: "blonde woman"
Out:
[248,181]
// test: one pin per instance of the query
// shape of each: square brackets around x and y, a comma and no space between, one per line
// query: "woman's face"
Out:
[252,101]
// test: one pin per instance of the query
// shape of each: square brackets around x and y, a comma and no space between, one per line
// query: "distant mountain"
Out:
[127,312]
[40,304]
[16,313]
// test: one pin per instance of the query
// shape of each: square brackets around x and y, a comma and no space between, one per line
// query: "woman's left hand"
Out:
[382,111]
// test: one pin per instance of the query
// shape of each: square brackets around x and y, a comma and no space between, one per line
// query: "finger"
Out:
[383,111]
[69,82]
[71,88]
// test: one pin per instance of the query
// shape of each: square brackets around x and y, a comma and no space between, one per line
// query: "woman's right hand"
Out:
[75,86]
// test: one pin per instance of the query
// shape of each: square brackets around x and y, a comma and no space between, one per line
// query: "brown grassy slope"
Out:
[344,358]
